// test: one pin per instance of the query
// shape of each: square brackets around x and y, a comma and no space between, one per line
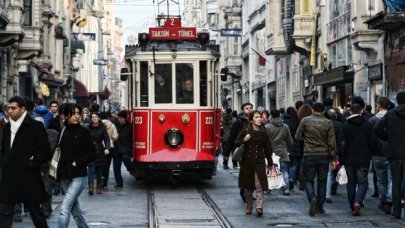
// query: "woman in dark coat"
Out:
[101,141]
[77,151]
[252,173]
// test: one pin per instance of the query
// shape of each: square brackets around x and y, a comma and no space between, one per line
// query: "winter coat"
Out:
[296,149]
[42,111]
[358,141]
[227,122]
[391,128]
[101,142]
[257,149]
[111,130]
[241,123]
[125,139]
[280,138]
[76,146]
[381,144]
[21,179]
[318,135]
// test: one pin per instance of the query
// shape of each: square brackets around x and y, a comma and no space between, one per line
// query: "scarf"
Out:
[14,126]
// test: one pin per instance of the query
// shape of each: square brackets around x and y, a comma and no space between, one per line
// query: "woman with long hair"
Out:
[77,150]
[252,175]
[101,141]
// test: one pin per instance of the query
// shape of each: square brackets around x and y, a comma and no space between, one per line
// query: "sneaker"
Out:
[286,192]
[226,166]
[17,218]
[235,167]
[313,207]
[328,200]
[356,209]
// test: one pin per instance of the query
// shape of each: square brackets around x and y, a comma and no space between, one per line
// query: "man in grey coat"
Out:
[25,147]
[281,142]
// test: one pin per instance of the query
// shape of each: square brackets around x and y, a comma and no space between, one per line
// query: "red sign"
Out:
[172,33]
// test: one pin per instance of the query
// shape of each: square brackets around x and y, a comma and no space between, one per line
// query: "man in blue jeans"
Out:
[380,161]
[124,148]
[390,128]
[358,143]
[318,135]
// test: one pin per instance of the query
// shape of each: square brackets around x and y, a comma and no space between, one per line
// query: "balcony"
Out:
[275,44]
[387,21]
[339,27]
[11,31]
[31,45]
[303,28]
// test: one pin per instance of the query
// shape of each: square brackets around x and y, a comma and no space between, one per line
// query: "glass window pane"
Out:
[163,83]
[184,83]
[144,84]
[203,83]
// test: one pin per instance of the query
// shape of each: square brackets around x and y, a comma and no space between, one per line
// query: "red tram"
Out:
[173,99]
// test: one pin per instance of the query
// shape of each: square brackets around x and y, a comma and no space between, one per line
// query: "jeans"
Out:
[331,180]
[106,169]
[384,180]
[357,178]
[295,163]
[284,168]
[70,204]
[398,179]
[117,161]
[317,165]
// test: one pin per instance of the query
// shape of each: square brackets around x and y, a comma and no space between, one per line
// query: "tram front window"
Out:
[163,84]
[185,83]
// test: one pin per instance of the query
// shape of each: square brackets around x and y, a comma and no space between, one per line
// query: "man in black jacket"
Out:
[358,143]
[123,149]
[25,147]
[391,129]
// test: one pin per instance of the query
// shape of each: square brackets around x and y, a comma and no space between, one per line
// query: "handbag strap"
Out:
[61,135]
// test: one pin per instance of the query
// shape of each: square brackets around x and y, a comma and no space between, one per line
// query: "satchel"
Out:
[275,178]
[53,167]
[238,153]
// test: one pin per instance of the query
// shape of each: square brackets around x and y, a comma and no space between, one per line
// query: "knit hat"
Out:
[122,114]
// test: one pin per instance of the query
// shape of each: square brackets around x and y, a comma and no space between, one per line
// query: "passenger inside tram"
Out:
[163,89]
[187,95]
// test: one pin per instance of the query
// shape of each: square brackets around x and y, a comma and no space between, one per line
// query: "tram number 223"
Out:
[209,120]
[138,120]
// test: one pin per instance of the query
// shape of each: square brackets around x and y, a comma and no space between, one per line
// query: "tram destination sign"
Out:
[172,33]
[231,32]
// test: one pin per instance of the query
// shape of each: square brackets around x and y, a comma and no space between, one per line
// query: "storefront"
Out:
[375,77]
[337,84]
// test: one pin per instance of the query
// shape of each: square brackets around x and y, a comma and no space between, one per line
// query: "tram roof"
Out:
[179,46]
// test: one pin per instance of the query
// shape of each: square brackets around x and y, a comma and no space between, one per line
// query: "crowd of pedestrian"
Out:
[312,142]
[89,141]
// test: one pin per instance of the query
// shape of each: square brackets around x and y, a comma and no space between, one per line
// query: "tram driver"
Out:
[187,95]
[163,90]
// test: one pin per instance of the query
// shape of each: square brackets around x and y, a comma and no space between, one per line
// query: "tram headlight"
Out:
[174,137]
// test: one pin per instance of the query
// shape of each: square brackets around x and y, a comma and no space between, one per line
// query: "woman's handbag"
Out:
[275,178]
[341,176]
[238,153]
[53,167]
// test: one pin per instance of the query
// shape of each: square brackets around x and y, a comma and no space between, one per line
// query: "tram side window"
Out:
[184,83]
[144,84]
[203,83]
[163,83]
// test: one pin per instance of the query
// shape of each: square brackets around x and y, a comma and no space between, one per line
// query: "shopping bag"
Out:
[238,153]
[341,176]
[53,167]
[275,178]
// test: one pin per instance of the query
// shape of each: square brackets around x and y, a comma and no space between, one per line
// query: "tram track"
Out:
[210,213]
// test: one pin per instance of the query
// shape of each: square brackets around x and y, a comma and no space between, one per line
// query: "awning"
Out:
[47,77]
[105,94]
[80,89]
[43,70]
